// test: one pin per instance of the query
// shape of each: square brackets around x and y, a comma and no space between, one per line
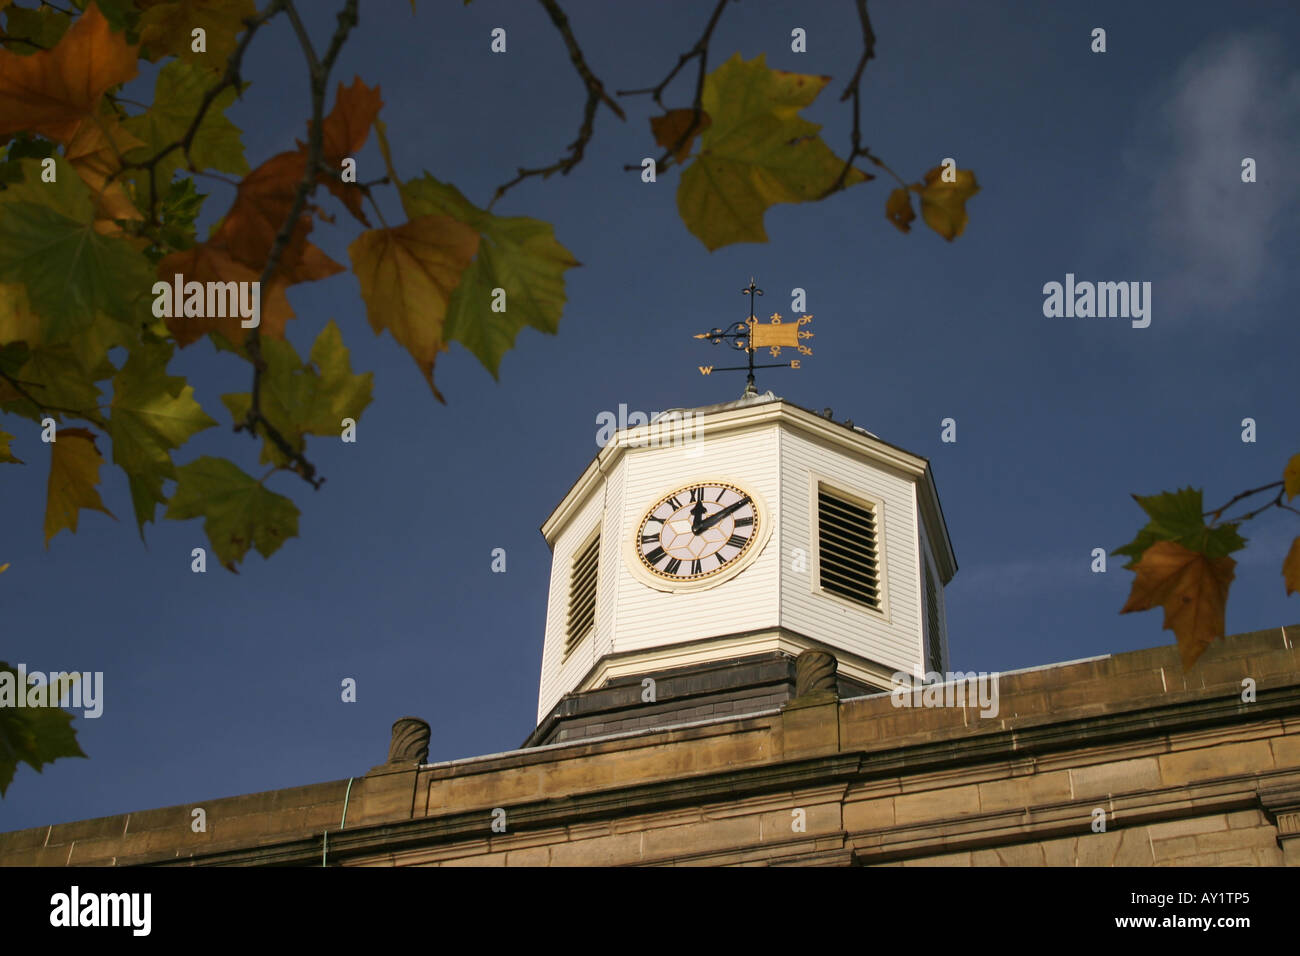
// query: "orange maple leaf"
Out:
[343,132]
[95,152]
[1191,587]
[210,263]
[51,91]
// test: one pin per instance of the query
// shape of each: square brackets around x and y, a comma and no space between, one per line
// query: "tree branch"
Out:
[595,96]
[700,50]
[229,78]
[319,71]
[1217,513]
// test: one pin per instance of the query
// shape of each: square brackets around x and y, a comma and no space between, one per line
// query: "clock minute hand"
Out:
[717,516]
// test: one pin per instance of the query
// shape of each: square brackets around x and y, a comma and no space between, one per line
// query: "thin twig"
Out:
[700,50]
[595,96]
[319,69]
[1217,513]
[17,386]
[853,92]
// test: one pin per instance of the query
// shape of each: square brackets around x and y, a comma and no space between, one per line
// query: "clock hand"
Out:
[696,514]
[717,516]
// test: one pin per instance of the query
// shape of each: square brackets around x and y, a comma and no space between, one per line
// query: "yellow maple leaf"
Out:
[1191,587]
[898,209]
[1291,568]
[407,274]
[74,473]
[167,27]
[943,205]
[51,91]
[1291,477]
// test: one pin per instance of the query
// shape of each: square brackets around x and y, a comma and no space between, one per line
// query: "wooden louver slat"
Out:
[848,559]
[582,594]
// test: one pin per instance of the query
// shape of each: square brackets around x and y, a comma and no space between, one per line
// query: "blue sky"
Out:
[1121,166]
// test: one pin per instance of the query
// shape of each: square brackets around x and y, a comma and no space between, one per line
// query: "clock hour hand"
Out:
[697,513]
[717,516]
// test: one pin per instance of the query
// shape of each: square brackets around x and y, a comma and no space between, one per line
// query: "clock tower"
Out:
[699,554]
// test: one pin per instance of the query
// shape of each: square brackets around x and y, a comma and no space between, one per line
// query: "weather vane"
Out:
[751,335]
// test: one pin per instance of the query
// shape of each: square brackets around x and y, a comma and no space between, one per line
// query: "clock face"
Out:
[697,531]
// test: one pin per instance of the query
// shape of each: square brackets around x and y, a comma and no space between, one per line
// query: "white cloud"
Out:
[1214,234]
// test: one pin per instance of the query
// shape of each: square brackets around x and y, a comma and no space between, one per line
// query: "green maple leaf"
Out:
[178,94]
[305,399]
[70,271]
[56,376]
[45,26]
[32,735]
[756,152]
[517,254]
[152,413]
[1180,516]
[239,513]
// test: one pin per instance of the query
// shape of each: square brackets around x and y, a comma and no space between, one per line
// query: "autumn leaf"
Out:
[1191,587]
[517,254]
[152,414]
[74,473]
[1291,568]
[757,152]
[407,274]
[49,245]
[95,152]
[58,378]
[668,129]
[166,29]
[44,26]
[1291,477]
[943,205]
[6,455]
[305,399]
[208,262]
[51,91]
[343,132]
[1179,516]
[35,736]
[263,202]
[178,94]
[238,511]
[18,323]
[898,209]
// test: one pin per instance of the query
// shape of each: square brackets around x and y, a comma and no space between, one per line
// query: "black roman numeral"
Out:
[736,541]
[744,522]
[721,492]
[655,556]
[649,538]
[697,494]
[676,505]
[672,566]
[696,567]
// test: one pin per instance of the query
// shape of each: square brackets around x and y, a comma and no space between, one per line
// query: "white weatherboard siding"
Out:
[558,673]
[650,618]
[891,636]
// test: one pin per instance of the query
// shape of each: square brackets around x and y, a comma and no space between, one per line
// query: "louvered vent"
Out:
[848,557]
[932,618]
[582,594]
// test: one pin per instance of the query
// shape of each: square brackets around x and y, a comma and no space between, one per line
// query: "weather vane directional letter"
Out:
[752,335]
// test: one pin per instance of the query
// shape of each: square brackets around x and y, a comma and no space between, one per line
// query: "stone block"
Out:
[937,805]
[1209,763]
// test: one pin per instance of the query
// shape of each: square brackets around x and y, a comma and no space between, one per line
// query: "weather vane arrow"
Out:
[751,335]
